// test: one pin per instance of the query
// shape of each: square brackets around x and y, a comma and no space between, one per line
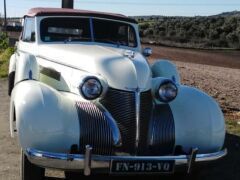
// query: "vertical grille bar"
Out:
[138,123]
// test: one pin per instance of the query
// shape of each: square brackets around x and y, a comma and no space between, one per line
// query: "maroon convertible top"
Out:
[75,12]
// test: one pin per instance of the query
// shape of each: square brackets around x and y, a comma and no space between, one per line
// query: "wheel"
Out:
[11,79]
[30,171]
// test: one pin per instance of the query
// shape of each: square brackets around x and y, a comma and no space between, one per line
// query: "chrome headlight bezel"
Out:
[86,93]
[167,91]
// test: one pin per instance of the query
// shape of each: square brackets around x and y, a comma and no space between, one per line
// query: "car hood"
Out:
[113,64]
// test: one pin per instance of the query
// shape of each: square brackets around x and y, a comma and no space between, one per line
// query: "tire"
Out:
[11,79]
[30,171]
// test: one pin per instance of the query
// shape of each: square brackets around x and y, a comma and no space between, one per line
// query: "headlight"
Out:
[91,88]
[167,91]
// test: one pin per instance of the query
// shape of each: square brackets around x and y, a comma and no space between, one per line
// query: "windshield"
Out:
[87,30]
[65,29]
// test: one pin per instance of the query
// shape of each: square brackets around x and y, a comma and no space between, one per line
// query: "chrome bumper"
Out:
[88,162]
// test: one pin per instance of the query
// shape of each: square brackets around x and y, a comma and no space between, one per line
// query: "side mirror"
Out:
[147,52]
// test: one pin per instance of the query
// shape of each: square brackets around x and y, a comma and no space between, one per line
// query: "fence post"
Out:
[5,16]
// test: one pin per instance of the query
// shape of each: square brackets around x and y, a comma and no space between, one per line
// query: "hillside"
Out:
[218,31]
[226,14]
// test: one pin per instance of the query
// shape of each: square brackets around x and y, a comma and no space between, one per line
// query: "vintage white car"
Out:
[85,99]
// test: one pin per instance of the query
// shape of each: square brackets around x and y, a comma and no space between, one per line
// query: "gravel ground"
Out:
[221,83]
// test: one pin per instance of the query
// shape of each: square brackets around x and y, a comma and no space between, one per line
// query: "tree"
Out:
[213,34]
[232,39]
[207,32]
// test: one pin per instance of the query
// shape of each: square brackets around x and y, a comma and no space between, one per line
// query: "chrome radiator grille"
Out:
[156,130]
[146,106]
[122,106]
[162,122]
[94,129]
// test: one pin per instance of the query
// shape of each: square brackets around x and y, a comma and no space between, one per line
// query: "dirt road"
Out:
[223,58]
[9,151]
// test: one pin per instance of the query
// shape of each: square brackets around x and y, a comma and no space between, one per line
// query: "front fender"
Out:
[165,69]
[199,121]
[26,67]
[45,119]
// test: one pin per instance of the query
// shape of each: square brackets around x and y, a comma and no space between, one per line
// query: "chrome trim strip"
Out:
[117,138]
[76,161]
[137,99]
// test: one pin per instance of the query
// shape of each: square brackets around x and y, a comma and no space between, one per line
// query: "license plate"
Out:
[142,166]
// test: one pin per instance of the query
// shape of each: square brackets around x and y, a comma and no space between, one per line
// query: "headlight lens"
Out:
[91,88]
[167,91]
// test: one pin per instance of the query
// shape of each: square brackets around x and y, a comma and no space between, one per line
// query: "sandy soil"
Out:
[220,82]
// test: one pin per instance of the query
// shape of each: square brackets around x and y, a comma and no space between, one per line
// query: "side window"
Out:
[132,37]
[29,30]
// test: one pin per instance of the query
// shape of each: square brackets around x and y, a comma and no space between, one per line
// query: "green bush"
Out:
[4,61]
[3,41]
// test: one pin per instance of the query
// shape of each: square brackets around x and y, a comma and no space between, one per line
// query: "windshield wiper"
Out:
[72,39]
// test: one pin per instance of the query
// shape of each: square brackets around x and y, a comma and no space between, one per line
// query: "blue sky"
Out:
[132,7]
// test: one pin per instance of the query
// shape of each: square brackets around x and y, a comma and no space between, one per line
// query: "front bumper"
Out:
[88,162]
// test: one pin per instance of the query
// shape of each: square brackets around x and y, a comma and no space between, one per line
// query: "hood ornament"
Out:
[130,54]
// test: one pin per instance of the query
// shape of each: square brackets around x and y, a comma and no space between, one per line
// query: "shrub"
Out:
[4,61]
[3,41]
[205,32]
